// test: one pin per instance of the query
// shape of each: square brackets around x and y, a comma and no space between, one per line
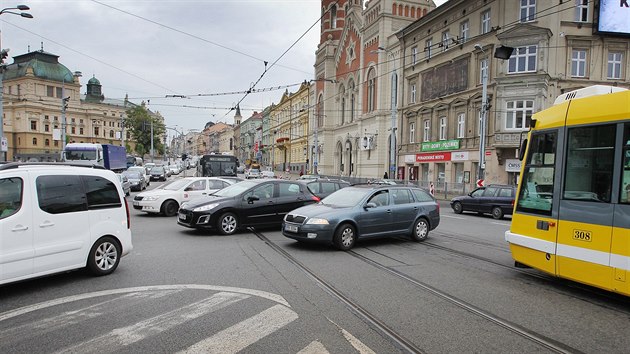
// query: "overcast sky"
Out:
[149,49]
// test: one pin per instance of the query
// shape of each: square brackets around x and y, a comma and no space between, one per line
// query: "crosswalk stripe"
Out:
[152,326]
[245,333]
[314,348]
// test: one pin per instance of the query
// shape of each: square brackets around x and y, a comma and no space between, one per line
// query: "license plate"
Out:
[291,228]
[136,203]
[182,216]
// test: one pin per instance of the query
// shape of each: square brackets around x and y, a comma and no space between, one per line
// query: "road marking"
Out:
[153,326]
[314,348]
[245,333]
[499,223]
[23,310]
[354,341]
[453,217]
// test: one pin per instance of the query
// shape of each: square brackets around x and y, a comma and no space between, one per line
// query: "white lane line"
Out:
[153,326]
[314,348]
[354,341]
[245,333]
[499,223]
[452,217]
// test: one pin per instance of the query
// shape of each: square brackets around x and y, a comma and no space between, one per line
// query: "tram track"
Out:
[390,333]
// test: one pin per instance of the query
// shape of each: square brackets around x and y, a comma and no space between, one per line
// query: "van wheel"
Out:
[497,213]
[420,230]
[227,224]
[170,208]
[345,237]
[104,256]
[457,208]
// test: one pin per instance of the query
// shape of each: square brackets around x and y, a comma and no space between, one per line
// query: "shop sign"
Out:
[434,157]
[410,158]
[512,165]
[459,156]
[440,145]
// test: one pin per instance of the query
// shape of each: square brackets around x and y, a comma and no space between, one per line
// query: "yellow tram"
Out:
[572,212]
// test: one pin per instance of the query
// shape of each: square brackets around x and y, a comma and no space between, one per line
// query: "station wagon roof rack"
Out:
[14,165]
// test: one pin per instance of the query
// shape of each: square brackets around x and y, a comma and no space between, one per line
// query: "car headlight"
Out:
[317,221]
[206,207]
[151,198]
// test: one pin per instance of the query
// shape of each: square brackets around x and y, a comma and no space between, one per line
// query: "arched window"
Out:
[35,141]
[320,112]
[343,110]
[111,133]
[371,94]
[47,142]
[353,103]
[333,16]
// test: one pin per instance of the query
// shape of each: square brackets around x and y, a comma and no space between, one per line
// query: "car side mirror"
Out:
[252,199]
[369,205]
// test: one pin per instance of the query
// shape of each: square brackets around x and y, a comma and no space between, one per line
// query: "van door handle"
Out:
[20,228]
[47,224]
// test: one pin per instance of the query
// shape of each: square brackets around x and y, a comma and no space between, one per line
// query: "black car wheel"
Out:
[420,230]
[227,224]
[457,208]
[104,256]
[170,208]
[497,213]
[345,237]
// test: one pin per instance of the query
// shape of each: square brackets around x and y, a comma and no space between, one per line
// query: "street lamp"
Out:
[4,144]
[392,140]
[484,112]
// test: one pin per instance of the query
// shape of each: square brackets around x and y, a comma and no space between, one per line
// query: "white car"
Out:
[142,170]
[56,217]
[168,199]
[267,174]
[175,169]
[252,173]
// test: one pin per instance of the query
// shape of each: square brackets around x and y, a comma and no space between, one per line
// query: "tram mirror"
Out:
[521,151]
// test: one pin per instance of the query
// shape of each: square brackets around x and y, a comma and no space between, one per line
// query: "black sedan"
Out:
[495,199]
[258,203]
[365,211]
[158,173]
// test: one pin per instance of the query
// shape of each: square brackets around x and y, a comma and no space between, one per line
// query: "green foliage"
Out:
[138,123]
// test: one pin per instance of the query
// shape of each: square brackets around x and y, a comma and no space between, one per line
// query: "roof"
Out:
[43,64]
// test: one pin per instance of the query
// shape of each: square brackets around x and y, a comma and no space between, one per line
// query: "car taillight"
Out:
[316,198]
[127,209]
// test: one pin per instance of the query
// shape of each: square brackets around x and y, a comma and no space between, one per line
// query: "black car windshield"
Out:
[235,189]
[346,197]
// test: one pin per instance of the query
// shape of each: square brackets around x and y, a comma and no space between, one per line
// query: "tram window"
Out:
[538,177]
[624,196]
[589,163]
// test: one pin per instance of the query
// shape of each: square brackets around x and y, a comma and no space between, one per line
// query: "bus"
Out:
[572,211]
[217,165]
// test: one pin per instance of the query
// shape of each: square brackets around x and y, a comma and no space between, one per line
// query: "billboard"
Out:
[614,17]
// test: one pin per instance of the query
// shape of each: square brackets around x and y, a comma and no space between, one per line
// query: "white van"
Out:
[55,217]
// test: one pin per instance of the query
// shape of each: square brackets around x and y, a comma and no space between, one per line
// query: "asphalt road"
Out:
[259,292]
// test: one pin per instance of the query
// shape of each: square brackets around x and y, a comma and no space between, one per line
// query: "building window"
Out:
[34,141]
[73,120]
[578,63]
[80,131]
[56,143]
[528,10]
[581,10]
[614,65]
[371,91]
[426,133]
[427,48]
[523,60]
[80,121]
[50,91]
[442,128]
[413,91]
[111,133]
[59,91]
[414,55]
[343,110]
[333,16]
[352,106]
[485,22]
[96,131]
[519,114]
[46,127]
[55,118]
[464,31]
[33,125]
[483,69]
[412,132]
[461,125]
[446,37]
[73,130]
[47,142]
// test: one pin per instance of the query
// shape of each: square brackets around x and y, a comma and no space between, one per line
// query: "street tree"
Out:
[138,123]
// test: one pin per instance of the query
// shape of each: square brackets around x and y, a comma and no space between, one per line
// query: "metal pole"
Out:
[63,115]
[151,139]
[484,111]
[392,147]
[4,144]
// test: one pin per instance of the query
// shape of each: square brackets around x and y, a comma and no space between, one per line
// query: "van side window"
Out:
[60,194]
[101,193]
[10,196]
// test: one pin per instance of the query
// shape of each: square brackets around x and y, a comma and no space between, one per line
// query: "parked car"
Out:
[167,200]
[124,183]
[148,166]
[258,203]
[252,173]
[175,169]
[136,179]
[55,217]
[494,199]
[142,170]
[158,173]
[364,211]
[324,187]
[267,174]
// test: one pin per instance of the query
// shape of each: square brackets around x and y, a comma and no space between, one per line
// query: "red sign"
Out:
[488,153]
[433,157]
[479,183]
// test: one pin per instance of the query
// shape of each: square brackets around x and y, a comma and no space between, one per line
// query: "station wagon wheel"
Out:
[497,213]
[170,208]
[457,208]
[420,230]
[104,256]
[345,237]
[227,224]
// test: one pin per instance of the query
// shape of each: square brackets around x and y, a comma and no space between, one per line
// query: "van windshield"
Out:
[73,155]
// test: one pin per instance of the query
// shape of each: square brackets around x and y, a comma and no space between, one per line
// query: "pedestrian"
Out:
[301,173]
[385,176]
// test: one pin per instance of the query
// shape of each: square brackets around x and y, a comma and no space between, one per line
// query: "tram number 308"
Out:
[582,235]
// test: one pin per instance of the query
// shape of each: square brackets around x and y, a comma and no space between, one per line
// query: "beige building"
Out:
[34,86]
[215,139]
[446,54]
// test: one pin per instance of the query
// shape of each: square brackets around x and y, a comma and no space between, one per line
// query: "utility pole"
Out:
[482,128]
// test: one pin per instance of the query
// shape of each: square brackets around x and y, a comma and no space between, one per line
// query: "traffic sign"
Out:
[488,153]
[4,144]
[480,183]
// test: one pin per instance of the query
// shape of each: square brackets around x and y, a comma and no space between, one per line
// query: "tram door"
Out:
[620,245]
